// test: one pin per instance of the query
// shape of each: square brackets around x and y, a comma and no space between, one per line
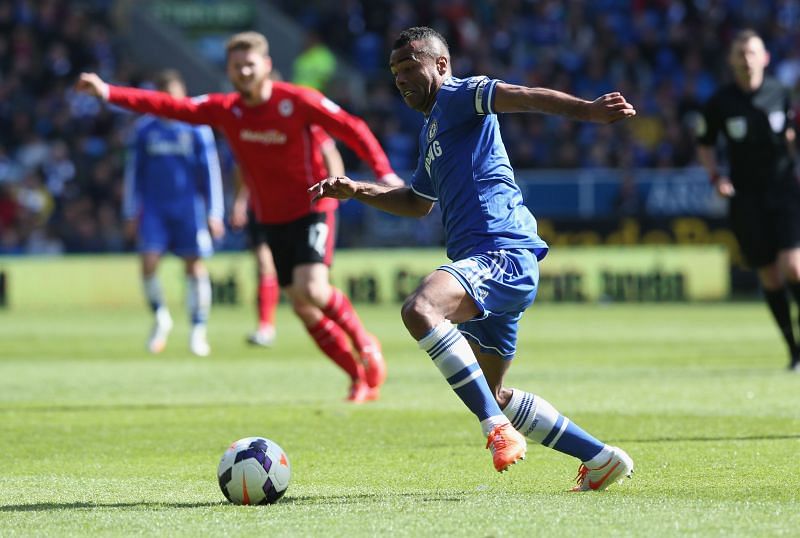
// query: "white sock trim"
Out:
[564,425]
[488,424]
[474,375]
[434,335]
[601,458]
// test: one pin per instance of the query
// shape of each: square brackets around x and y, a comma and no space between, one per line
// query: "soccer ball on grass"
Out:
[254,470]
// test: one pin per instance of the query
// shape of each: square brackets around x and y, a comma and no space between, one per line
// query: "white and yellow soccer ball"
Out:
[254,470]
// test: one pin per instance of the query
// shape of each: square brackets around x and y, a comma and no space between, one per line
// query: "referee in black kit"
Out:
[754,116]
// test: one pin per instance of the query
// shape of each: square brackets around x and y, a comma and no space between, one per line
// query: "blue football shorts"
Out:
[503,284]
[182,234]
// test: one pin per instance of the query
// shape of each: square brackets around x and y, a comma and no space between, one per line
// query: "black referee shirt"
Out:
[754,126]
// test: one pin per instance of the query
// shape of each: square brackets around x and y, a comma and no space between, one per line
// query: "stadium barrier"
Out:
[583,274]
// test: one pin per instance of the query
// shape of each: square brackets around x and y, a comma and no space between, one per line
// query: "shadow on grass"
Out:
[678,439]
[360,498]
[290,500]
[46,507]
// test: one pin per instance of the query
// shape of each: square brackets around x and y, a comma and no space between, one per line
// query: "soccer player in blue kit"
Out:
[173,201]
[492,241]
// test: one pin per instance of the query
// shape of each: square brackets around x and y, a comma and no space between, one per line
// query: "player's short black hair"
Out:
[422,33]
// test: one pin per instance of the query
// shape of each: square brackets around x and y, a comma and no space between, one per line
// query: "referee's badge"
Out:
[433,128]
[736,127]
[777,119]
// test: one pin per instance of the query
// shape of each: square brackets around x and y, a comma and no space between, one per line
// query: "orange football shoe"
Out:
[507,446]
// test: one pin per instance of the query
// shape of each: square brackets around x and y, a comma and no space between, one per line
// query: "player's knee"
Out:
[411,309]
[417,315]
[791,267]
[793,273]
[303,309]
[770,277]
[309,292]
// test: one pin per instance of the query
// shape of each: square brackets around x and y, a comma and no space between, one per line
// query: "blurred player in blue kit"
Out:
[173,202]
[492,240]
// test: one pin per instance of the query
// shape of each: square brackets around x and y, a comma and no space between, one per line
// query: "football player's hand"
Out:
[724,187]
[130,228]
[610,107]
[239,214]
[339,187]
[216,228]
[92,84]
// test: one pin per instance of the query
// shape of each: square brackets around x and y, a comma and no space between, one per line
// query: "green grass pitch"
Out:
[100,439]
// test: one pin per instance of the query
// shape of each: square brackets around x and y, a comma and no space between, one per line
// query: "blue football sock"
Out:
[536,419]
[452,354]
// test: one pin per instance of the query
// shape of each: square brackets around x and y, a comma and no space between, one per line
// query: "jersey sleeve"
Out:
[421,183]
[204,109]
[708,124]
[321,138]
[210,172]
[470,97]
[352,130]
[131,186]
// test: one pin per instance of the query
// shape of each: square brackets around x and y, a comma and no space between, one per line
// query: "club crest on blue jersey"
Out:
[433,128]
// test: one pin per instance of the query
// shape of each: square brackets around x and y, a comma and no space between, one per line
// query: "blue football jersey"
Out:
[464,166]
[172,169]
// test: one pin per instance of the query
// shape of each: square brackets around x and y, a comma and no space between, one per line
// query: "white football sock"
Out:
[198,298]
[456,361]
[152,292]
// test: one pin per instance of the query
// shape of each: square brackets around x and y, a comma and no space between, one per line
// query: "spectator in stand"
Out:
[315,66]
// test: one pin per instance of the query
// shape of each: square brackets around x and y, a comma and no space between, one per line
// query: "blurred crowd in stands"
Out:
[62,154]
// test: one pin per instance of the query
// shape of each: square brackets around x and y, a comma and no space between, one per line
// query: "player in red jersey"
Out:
[267,290]
[268,125]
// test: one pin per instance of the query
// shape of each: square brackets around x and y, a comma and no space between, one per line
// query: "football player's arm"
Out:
[334,163]
[212,184]
[191,110]
[242,200]
[707,156]
[791,134]
[607,108]
[707,132]
[351,130]
[400,201]
[131,187]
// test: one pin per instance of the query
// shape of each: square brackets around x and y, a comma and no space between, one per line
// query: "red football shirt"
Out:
[272,142]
